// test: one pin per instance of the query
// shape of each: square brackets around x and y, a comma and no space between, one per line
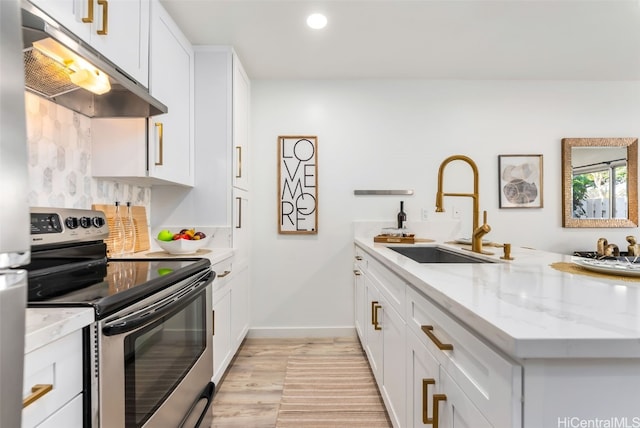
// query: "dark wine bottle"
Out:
[402,217]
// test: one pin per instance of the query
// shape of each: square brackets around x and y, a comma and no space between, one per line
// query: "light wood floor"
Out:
[249,394]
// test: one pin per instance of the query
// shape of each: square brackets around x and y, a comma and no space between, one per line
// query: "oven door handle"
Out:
[173,303]
[207,394]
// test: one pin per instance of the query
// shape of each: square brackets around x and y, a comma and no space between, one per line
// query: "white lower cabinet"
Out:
[457,410]
[433,398]
[239,306]
[423,377]
[230,313]
[221,318]
[359,310]
[53,384]
[384,345]
[70,415]
[393,364]
[430,369]
[490,380]
[373,332]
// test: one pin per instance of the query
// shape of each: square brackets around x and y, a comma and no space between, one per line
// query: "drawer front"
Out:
[491,381]
[457,410]
[58,364]
[69,416]
[224,272]
[392,287]
[360,259]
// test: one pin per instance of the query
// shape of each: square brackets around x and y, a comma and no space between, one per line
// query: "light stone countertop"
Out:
[45,325]
[215,255]
[526,308]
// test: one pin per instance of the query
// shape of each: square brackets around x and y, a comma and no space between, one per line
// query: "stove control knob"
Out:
[71,222]
[98,222]
[85,222]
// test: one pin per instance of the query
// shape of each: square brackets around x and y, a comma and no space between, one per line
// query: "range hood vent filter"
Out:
[45,76]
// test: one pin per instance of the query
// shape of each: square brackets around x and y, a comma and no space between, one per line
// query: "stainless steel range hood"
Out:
[48,78]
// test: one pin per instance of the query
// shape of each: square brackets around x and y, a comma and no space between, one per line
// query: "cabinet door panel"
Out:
[421,368]
[69,13]
[171,149]
[374,338]
[240,126]
[359,304]
[393,330]
[458,410]
[126,42]
[241,227]
[239,307]
[221,334]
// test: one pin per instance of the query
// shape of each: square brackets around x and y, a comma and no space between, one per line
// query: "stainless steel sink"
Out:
[436,255]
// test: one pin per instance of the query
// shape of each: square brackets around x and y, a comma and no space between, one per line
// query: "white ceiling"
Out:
[433,39]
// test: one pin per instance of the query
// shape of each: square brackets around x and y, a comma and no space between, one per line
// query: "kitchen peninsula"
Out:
[564,345]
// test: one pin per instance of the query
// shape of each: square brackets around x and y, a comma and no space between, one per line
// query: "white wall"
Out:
[393,135]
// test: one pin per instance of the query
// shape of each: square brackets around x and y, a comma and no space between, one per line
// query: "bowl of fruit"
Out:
[187,241]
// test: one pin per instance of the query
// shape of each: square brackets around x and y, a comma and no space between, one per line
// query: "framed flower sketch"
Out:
[520,181]
[297,185]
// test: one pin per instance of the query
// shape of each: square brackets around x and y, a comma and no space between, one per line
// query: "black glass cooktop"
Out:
[106,285]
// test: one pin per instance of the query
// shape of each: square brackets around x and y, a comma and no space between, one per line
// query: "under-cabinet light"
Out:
[81,72]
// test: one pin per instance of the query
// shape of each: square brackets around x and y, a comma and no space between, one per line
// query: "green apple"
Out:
[165,235]
[164,271]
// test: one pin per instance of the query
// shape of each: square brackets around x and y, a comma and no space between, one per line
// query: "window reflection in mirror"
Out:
[599,182]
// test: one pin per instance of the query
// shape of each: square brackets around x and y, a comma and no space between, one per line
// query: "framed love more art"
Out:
[297,184]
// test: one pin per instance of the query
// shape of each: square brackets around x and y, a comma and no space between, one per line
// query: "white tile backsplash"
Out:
[59,143]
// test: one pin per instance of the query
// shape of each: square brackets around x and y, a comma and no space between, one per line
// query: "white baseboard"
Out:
[298,332]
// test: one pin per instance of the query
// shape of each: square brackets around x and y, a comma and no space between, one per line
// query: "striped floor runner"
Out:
[330,391]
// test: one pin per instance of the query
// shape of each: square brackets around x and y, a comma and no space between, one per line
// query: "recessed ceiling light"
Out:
[317,21]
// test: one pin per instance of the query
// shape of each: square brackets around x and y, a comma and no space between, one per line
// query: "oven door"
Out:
[155,363]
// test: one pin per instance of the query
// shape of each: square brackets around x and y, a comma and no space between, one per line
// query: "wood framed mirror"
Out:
[599,182]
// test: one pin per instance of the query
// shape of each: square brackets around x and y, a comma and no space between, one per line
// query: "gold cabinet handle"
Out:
[222,275]
[89,18]
[373,309]
[239,226]
[105,17]
[437,398]
[428,330]
[357,272]
[376,326]
[425,399]
[239,150]
[160,129]
[37,392]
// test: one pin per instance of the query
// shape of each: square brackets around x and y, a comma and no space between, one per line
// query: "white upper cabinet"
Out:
[171,135]
[118,29]
[121,33]
[74,15]
[241,91]
[159,150]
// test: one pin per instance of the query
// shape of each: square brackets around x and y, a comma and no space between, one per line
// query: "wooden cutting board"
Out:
[391,239]
[139,221]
